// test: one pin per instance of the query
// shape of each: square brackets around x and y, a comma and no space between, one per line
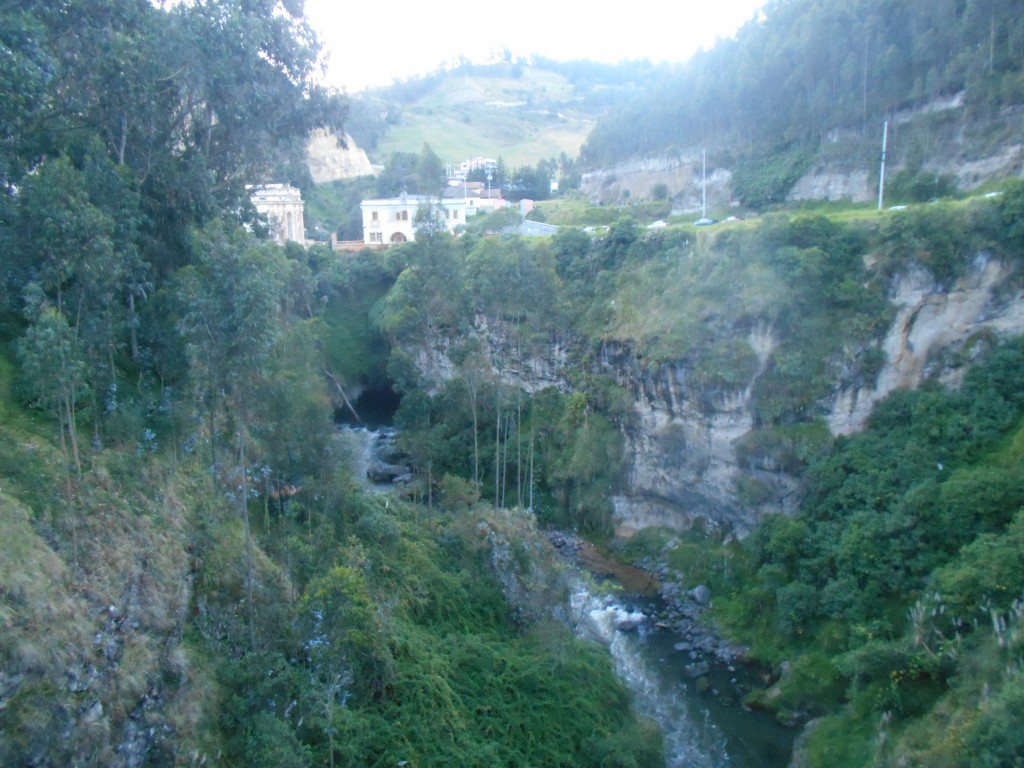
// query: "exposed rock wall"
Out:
[329,162]
[834,186]
[681,456]
[932,323]
[681,175]
[681,452]
[527,369]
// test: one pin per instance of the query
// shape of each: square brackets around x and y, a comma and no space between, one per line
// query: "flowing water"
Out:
[363,447]
[703,728]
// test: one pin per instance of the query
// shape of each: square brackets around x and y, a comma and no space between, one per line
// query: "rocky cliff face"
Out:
[933,332]
[681,448]
[681,452]
[682,455]
[329,162]
[682,175]
[531,372]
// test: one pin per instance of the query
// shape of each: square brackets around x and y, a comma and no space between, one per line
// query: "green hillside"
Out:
[813,81]
[523,112]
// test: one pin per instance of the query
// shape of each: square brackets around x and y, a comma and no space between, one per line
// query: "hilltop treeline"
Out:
[806,67]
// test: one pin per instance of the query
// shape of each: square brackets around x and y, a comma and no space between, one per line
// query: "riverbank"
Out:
[700,677]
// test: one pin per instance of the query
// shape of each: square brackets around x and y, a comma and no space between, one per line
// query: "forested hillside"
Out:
[813,78]
[193,573]
[190,574]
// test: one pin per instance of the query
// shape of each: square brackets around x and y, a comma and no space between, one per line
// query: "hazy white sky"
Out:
[374,42]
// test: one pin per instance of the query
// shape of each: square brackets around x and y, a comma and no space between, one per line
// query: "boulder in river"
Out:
[381,472]
[697,669]
[701,594]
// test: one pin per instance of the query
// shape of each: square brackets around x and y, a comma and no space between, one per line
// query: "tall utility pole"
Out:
[703,184]
[881,173]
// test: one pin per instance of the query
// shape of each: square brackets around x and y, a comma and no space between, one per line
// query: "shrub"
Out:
[766,177]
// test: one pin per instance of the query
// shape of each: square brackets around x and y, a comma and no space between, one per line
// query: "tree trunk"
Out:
[124,139]
[243,505]
[211,408]
[504,461]
[133,331]
[476,435]
[519,449]
[497,457]
[72,433]
[531,464]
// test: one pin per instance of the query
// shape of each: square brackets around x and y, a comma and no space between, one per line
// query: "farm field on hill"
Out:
[536,116]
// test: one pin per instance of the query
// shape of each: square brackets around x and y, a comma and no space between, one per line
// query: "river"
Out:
[703,723]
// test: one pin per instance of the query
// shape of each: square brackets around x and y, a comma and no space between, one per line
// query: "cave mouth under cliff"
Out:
[376,407]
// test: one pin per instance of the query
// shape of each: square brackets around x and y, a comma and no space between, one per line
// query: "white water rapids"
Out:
[691,740]
[362,447]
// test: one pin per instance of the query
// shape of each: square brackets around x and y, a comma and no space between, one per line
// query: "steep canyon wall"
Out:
[681,447]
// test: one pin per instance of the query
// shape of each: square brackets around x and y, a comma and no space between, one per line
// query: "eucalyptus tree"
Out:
[430,172]
[429,293]
[231,298]
[79,255]
[64,240]
[26,67]
[57,375]
[198,99]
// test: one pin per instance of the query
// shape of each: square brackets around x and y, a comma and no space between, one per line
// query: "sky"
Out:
[372,43]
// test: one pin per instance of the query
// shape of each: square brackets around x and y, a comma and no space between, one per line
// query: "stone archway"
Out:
[398,237]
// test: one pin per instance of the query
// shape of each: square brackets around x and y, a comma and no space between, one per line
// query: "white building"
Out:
[487,164]
[479,197]
[394,220]
[282,205]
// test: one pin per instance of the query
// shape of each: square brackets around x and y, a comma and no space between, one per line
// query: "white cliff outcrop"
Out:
[931,321]
[682,456]
[329,162]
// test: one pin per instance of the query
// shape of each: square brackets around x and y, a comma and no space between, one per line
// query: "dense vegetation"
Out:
[893,595]
[188,573]
[893,598]
[807,68]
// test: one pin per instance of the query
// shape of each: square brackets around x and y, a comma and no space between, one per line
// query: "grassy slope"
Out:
[521,119]
[92,598]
